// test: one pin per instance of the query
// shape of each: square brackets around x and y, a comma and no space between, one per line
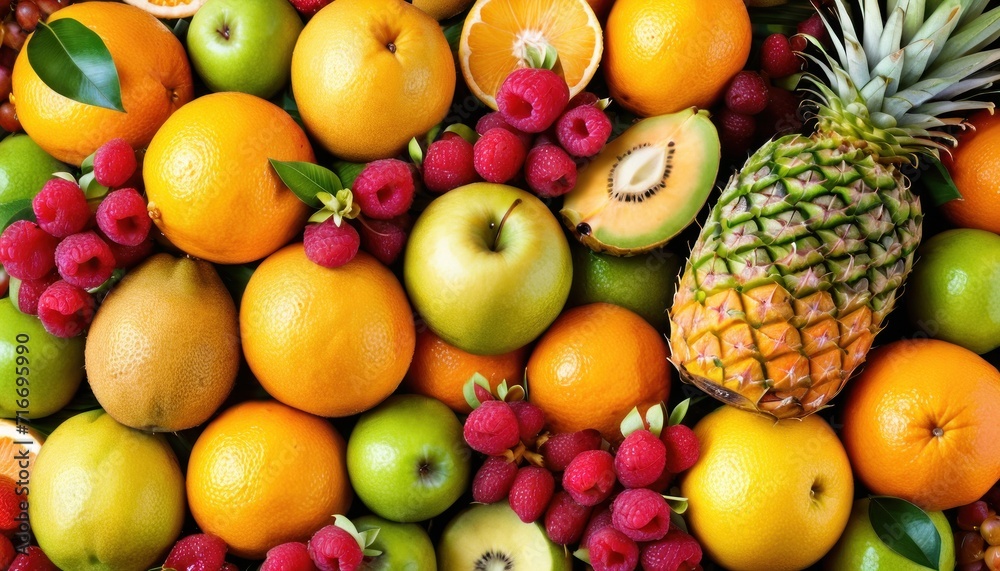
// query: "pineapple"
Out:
[804,254]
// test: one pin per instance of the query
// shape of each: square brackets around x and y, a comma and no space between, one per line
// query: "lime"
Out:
[39,372]
[954,292]
[860,549]
[105,496]
[24,168]
[643,283]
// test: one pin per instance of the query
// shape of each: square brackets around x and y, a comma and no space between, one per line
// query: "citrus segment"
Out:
[498,34]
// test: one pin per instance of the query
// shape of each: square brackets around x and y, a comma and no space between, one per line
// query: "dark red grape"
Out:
[49,7]
[4,83]
[13,36]
[7,57]
[28,15]
[971,515]
[4,7]
[977,566]
[992,498]
[8,118]
[970,546]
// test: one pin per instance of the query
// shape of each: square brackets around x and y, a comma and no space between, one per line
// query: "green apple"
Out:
[24,168]
[404,546]
[860,549]
[488,267]
[954,292]
[407,458]
[244,45]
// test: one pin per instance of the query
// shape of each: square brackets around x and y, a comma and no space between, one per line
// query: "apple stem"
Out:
[496,238]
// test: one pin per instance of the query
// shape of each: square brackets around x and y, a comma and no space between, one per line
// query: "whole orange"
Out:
[440,370]
[369,75]
[920,423]
[662,57]
[333,342]
[212,191]
[153,70]
[593,365]
[975,167]
[263,474]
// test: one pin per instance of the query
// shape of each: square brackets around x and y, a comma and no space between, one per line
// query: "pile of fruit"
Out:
[477,285]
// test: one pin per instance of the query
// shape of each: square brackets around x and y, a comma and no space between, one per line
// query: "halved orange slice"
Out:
[498,35]
[168,9]
[14,446]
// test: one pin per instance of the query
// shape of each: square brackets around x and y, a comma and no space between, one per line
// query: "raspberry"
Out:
[736,131]
[747,93]
[565,519]
[782,113]
[65,310]
[641,514]
[493,480]
[61,208]
[384,189]
[114,164]
[329,245]
[640,459]
[7,553]
[531,492]
[677,551]
[777,58]
[309,7]
[26,251]
[28,292]
[583,131]
[385,239]
[448,164]
[32,559]
[590,477]
[550,172]
[498,155]
[492,428]
[84,260]
[582,98]
[10,507]
[683,448]
[122,217]
[482,394]
[813,26]
[200,552]
[611,550]
[4,282]
[128,256]
[530,419]
[600,518]
[334,549]
[560,449]
[532,99]
[494,120]
[288,557]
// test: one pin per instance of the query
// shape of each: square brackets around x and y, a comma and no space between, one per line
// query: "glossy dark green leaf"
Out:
[307,180]
[906,529]
[348,172]
[939,184]
[287,102]
[11,212]
[235,279]
[74,62]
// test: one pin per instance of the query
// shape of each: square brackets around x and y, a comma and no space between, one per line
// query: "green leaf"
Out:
[632,422]
[348,172]
[906,529]
[307,180]
[677,504]
[180,28]
[453,34]
[469,389]
[88,163]
[679,412]
[654,418]
[939,184]
[415,151]
[551,56]
[11,212]
[583,554]
[91,188]
[288,103]
[73,61]
[235,278]
[464,131]
[678,520]
[502,390]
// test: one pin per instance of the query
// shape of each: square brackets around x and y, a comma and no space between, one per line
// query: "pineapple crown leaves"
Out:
[892,86]
[365,538]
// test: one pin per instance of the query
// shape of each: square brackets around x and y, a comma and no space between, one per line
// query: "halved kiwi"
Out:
[492,538]
[645,186]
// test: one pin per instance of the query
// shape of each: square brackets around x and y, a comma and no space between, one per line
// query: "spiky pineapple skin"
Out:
[793,274]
